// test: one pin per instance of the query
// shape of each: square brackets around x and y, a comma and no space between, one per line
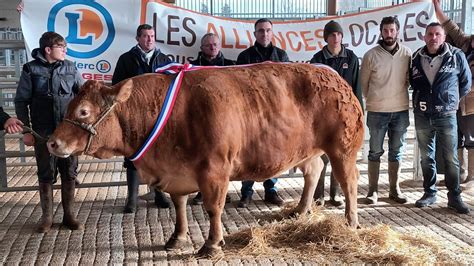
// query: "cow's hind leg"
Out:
[179,239]
[214,192]
[346,173]
[311,169]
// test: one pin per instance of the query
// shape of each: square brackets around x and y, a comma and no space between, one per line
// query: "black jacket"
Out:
[45,90]
[220,60]
[3,118]
[346,64]
[452,81]
[133,63]
[253,55]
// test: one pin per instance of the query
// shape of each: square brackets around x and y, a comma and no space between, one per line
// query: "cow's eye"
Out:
[83,113]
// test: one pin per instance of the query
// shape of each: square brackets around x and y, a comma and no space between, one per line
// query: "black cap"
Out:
[330,27]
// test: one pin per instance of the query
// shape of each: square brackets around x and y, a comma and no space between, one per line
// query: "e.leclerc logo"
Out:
[90,28]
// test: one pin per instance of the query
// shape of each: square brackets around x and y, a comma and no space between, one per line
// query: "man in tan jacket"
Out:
[465,115]
[384,82]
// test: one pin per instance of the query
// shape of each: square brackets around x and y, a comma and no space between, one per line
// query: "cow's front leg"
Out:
[311,169]
[214,201]
[179,239]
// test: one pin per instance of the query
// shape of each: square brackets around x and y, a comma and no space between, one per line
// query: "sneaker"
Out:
[426,200]
[372,199]
[198,199]
[458,205]
[273,198]
[244,202]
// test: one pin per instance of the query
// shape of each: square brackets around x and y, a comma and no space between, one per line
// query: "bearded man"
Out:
[384,82]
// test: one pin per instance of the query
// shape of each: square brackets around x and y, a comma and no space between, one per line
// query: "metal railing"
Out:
[254,9]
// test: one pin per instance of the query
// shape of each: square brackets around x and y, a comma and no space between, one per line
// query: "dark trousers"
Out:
[49,166]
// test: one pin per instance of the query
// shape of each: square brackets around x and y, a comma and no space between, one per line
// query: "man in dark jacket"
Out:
[210,54]
[142,58]
[346,63]
[263,50]
[10,124]
[440,77]
[47,85]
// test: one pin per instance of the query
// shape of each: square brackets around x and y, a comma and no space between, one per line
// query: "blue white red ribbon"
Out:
[167,107]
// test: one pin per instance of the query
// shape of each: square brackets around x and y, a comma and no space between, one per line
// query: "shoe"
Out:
[244,202]
[273,198]
[198,199]
[400,198]
[426,200]
[458,205]
[160,200]
[336,201]
[372,198]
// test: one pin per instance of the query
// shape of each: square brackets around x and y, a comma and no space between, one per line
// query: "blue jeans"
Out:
[379,124]
[438,131]
[247,190]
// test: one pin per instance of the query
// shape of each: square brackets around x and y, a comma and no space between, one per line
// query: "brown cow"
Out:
[228,124]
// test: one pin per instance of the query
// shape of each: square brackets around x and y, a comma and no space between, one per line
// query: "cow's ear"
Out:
[124,91]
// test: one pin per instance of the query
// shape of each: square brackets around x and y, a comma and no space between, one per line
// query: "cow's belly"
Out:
[172,182]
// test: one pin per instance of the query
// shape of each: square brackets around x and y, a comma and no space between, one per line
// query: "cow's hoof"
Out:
[210,252]
[297,213]
[175,243]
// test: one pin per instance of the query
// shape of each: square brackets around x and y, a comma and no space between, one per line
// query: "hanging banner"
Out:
[97,32]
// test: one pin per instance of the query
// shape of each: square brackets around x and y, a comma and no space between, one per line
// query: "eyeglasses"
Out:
[63,46]
[210,45]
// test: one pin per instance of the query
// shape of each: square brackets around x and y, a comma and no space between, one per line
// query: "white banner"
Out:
[98,32]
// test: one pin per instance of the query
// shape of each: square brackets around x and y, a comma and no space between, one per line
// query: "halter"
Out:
[91,128]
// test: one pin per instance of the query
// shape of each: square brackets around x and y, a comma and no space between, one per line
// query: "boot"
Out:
[319,191]
[373,172]
[68,187]
[334,192]
[470,166]
[426,200]
[393,176]
[132,187]
[458,205]
[462,166]
[46,200]
[160,200]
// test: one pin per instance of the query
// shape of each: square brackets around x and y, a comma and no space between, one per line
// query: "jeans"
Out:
[438,131]
[269,186]
[396,125]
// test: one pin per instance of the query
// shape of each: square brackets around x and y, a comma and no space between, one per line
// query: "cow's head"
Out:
[90,124]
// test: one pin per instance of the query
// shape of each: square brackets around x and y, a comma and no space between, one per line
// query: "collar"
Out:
[148,54]
[442,51]
[37,54]
[395,49]
[260,47]
[327,54]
